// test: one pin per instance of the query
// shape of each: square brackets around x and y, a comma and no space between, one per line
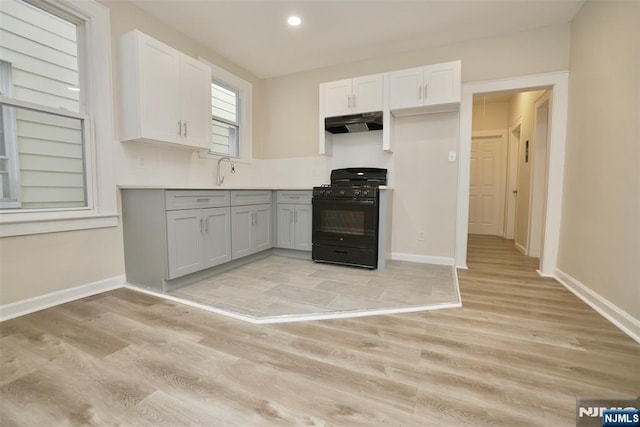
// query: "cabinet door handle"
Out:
[201,225]
[180,127]
[354,101]
[185,128]
[206,225]
[348,101]
[419,91]
[425,91]
[256,214]
[202,200]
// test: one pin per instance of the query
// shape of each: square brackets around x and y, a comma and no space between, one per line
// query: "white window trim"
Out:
[244,88]
[102,210]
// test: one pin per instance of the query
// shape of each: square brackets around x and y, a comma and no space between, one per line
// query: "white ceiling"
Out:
[255,36]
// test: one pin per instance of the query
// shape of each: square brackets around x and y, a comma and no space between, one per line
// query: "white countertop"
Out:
[201,187]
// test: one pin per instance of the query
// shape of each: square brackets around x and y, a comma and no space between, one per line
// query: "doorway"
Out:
[548,190]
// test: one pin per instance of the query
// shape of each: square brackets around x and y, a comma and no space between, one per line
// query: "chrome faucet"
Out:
[220,179]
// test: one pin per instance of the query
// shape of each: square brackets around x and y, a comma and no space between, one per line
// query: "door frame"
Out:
[559,82]
[513,166]
[502,134]
[538,184]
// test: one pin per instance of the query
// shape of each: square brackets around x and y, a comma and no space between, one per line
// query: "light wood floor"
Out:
[518,353]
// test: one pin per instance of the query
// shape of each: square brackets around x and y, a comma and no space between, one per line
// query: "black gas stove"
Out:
[345,217]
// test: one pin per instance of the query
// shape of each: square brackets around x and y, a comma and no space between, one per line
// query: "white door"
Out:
[195,101]
[441,83]
[336,98]
[485,201]
[159,89]
[405,88]
[367,94]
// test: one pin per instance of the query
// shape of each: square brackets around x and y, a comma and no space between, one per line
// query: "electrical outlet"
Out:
[452,156]
[421,236]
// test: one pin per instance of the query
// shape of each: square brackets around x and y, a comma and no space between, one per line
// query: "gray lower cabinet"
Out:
[169,234]
[294,220]
[197,239]
[250,229]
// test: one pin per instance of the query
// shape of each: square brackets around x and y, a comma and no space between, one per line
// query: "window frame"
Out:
[244,88]
[96,112]
[9,131]
[235,152]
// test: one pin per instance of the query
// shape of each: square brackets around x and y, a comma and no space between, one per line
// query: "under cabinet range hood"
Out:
[363,122]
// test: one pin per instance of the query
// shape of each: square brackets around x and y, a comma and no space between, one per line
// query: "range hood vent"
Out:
[363,122]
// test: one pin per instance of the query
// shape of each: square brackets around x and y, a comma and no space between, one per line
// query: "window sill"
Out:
[41,224]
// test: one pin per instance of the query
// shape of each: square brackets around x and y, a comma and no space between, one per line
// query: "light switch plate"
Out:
[452,156]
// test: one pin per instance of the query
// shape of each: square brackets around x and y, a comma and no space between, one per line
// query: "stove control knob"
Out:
[342,192]
[365,192]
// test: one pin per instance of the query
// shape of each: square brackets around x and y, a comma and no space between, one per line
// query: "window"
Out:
[42,146]
[225,123]
[230,114]
[56,117]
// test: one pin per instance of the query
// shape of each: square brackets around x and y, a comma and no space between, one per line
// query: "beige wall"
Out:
[43,263]
[600,231]
[490,115]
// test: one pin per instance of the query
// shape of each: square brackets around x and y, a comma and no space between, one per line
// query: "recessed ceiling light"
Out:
[294,21]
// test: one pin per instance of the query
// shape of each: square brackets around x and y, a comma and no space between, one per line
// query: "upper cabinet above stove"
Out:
[352,96]
[419,90]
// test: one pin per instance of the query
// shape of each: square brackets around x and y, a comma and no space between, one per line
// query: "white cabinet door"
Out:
[165,95]
[261,227]
[285,226]
[216,236]
[442,83]
[367,94]
[184,242]
[336,98]
[158,91]
[302,221]
[195,101]
[241,231]
[405,88]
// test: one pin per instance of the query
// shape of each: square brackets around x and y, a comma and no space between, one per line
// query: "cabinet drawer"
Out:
[249,197]
[295,197]
[196,199]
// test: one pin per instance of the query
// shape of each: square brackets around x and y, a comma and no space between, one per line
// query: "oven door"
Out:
[345,223]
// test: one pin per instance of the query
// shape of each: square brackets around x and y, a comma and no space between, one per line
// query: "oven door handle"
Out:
[344,202]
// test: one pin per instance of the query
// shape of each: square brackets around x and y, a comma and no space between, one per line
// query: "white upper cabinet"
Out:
[415,90]
[165,95]
[352,96]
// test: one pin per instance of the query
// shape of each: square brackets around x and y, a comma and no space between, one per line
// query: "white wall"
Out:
[600,234]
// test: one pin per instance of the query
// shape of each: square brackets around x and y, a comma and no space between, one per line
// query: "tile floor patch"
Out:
[278,287]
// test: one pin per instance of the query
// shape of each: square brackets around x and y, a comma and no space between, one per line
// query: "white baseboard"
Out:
[620,318]
[423,259]
[20,308]
[520,248]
